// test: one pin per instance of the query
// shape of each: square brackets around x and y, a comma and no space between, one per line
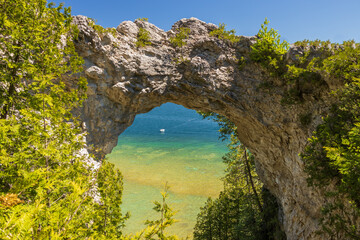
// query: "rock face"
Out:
[125,80]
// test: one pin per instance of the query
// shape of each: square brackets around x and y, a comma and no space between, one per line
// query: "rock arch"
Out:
[204,75]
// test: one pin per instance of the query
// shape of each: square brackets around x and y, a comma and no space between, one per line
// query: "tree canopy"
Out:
[47,179]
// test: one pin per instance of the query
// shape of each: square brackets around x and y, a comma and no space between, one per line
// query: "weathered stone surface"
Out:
[204,75]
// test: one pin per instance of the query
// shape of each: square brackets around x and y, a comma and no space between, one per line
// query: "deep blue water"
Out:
[178,122]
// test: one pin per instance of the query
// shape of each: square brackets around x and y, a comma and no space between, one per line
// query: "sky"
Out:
[334,20]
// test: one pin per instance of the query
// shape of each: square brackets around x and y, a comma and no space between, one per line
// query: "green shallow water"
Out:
[187,157]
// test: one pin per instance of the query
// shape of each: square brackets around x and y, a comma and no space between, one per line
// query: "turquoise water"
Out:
[187,156]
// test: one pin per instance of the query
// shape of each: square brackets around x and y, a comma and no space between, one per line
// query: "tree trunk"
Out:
[251,181]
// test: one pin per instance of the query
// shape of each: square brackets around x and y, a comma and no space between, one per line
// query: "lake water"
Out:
[187,156]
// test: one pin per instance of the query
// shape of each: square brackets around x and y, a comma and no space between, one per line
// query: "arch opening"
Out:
[187,155]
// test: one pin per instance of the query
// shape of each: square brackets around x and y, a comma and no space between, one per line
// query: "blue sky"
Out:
[334,20]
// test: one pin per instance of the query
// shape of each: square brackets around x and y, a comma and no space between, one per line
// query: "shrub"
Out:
[100,29]
[178,40]
[143,19]
[269,50]
[221,33]
[143,38]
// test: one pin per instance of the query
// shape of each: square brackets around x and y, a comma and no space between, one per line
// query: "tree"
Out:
[269,50]
[108,220]
[158,227]
[244,209]
[332,154]
[236,213]
[47,181]
[221,33]
[204,227]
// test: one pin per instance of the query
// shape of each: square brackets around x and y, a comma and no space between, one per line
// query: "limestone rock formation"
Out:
[125,80]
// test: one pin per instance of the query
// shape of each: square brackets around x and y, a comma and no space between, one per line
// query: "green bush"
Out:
[221,33]
[269,50]
[143,38]
[178,40]
[100,29]
[143,19]
[344,63]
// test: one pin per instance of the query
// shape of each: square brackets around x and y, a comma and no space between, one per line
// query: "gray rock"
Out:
[128,28]
[204,75]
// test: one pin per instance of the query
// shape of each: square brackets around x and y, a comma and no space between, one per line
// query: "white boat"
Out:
[162,130]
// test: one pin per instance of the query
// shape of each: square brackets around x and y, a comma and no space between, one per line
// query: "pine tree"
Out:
[47,181]
[239,212]
[156,229]
[108,220]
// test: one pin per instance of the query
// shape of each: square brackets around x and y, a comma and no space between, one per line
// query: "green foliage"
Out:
[270,225]
[231,216]
[101,30]
[344,63]
[235,214]
[336,131]
[143,38]
[303,76]
[143,19]
[304,43]
[269,50]
[301,79]
[47,183]
[316,44]
[332,154]
[32,50]
[291,96]
[158,227]
[305,119]
[178,40]
[108,220]
[227,128]
[39,160]
[241,63]
[318,60]
[221,33]
[239,212]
